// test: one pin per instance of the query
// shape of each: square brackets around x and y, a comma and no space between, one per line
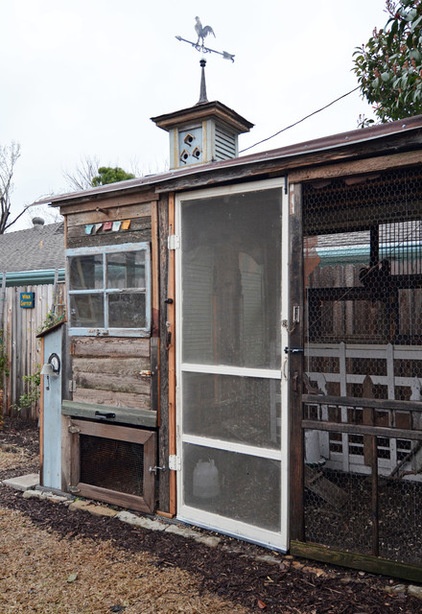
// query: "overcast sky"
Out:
[82,78]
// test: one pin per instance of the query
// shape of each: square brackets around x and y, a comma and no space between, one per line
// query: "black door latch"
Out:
[105,415]
[288,350]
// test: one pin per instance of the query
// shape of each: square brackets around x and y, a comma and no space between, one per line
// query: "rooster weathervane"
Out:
[203,32]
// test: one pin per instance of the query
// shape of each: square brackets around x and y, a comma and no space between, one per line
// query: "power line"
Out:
[300,120]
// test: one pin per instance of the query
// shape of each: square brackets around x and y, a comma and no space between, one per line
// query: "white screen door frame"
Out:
[206,454]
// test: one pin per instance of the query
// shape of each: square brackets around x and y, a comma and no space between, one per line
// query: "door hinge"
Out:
[173,241]
[174,462]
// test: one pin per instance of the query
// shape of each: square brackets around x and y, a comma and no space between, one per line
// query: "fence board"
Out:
[20,337]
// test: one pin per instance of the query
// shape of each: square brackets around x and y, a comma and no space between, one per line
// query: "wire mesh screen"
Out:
[111,464]
[363,363]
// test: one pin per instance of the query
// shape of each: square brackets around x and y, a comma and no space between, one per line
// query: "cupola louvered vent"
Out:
[225,143]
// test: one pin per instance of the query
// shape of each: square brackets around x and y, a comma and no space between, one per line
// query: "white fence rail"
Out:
[335,368]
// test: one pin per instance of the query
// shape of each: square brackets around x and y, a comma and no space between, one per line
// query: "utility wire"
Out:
[300,120]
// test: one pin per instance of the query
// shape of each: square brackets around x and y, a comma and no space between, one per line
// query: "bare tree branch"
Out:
[9,155]
[81,178]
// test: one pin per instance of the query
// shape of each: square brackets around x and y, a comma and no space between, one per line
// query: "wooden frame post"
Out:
[296,364]
[171,347]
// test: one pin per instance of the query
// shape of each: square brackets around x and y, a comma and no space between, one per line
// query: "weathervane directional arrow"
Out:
[202,32]
[203,49]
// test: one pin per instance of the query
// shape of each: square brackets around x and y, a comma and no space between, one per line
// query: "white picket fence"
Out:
[346,452]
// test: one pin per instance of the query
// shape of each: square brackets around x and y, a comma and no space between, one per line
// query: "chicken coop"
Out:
[244,341]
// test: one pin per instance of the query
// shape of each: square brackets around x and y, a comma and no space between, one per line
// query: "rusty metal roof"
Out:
[290,152]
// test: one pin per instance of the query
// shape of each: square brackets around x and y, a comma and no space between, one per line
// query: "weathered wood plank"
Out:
[110,346]
[163,416]
[140,231]
[124,367]
[155,272]
[70,455]
[171,353]
[379,404]
[105,201]
[296,366]
[316,482]
[114,497]
[115,399]
[361,429]
[363,562]
[113,213]
[112,431]
[155,372]
[364,166]
[112,382]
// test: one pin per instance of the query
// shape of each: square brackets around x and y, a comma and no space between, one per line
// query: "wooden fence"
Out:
[20,327]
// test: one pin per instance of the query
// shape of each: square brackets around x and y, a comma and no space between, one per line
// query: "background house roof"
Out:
[38,248]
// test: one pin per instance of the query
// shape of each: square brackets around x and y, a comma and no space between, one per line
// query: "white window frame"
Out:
[104,291]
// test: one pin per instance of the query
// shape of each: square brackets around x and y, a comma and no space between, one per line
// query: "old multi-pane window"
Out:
[109,290]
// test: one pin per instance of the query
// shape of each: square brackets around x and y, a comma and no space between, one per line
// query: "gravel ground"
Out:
[53,559]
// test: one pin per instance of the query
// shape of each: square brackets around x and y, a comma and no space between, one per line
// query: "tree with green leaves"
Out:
[389,65]
[107,174]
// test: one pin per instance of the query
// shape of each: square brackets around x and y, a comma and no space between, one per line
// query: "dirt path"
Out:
[56,560]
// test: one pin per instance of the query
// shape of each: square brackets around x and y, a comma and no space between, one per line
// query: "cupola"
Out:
[206,132]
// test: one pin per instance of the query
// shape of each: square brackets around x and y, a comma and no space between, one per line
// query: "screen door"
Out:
[232,418]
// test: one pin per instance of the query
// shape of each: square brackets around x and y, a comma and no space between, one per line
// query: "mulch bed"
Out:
[233,570]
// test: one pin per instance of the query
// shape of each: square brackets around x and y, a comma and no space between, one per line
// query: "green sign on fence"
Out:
[27,300]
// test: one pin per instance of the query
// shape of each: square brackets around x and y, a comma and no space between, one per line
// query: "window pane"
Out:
[239,409]
[86,272]
[126,310]
[126,270]
[87,310]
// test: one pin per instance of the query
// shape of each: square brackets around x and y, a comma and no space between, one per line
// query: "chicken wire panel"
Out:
[354,512]
[363,284]
[363,266]
[363,337]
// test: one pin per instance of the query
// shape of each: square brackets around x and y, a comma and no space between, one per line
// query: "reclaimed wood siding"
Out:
[139,230]
[107,371]
[22,346]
